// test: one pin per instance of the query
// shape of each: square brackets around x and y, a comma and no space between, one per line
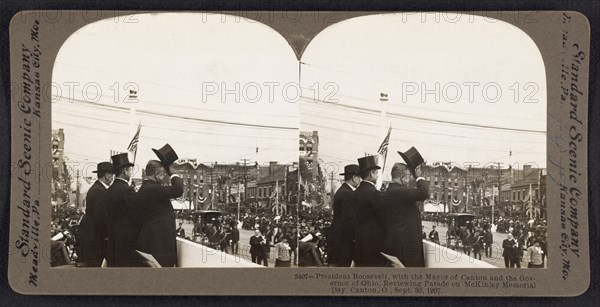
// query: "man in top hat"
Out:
[93,232]
[404,230]
[122,226]
[369,216]
[341,240]
[153,200]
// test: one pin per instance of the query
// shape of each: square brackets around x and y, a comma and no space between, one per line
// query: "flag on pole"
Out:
[132,148]
[384,147]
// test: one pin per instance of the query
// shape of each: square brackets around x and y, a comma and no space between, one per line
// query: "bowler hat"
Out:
[351,169]
[166,155]
[121,160]
[104,167]
[367,163]
[412,157]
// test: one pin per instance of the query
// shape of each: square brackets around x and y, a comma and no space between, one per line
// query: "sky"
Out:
[462,89]
[185,70]
[489,106]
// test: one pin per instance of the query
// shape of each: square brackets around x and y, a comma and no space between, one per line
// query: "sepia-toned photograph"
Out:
[174,145]
[340,153]
[432,148]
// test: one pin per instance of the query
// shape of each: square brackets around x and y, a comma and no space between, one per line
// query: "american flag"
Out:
[384,146]
[132,148]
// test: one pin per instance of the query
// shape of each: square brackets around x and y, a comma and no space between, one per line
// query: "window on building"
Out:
[519,195]
[435,195]
[301,148]
[514,195]
[309,146]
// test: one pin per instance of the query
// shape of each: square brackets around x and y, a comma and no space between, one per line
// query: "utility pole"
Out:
[285,189]
[467,189]
[77,191]
[277,196]
[499,172]
[444,197]
[212,185]
[239,201]
[332,192]
[189,185]
[245,183]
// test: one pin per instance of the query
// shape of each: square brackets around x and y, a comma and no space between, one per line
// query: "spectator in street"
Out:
[224,240]
[293,241]
[282,250]
[468,242]
[510,246]
[256,250]
[477,244]
[534,254]
[488,240]
[308,255]
[434,236]
[266,249]
[235,238]
[181,231]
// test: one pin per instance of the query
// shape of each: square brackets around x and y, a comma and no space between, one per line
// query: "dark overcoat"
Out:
[122,227]
[370,226]
[93,232]
[256,245]
[510,249]
[158,235]
[341,239]
[403,222]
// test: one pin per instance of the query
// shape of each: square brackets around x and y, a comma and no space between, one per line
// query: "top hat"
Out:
[351,169]
[367,164]
[121,160]
[413,158]
[104,167]
[166,155]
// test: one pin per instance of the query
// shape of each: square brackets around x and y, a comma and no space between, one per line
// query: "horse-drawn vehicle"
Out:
[459,225]
[204,221]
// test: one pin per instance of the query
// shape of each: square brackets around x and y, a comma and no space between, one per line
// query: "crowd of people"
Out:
[368,228]
[119,221]
[64,227]
[371,228]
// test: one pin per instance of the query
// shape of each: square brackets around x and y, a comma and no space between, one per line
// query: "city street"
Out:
[496,259]
[244,249]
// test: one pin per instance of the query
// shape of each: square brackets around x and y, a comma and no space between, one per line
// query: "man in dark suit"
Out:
[155,211]
[510,246]
[93,232]
[403,237]
[341,240]
[370,217]
[256,247]
[122,228]
[434,236]
[180,231]
[235,237]
[488,240]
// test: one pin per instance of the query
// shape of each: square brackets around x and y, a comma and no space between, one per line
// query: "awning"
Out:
[434,207]
[180,205]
